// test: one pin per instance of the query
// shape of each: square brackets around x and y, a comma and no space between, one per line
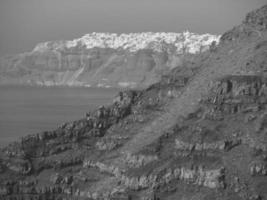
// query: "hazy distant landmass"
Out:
[103,59]
[25,23]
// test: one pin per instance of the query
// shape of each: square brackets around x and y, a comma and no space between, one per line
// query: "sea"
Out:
[28,110]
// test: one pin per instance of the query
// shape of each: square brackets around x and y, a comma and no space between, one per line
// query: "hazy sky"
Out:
[23,23]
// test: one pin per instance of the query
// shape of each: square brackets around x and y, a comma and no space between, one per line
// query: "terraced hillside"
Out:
[199,133]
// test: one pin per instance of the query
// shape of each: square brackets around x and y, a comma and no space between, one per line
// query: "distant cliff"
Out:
[103,59]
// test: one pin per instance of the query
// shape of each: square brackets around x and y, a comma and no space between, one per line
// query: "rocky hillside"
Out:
[103,59]
[199,133]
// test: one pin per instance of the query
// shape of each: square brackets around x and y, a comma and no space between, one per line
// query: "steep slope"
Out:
[103,59]
[199,133]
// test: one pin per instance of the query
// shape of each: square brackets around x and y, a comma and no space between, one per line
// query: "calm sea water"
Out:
[27,110]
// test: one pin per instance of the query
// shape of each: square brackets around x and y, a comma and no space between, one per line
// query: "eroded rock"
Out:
[139,160]
[219,145]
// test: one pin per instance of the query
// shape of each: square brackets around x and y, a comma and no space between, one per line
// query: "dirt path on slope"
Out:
[187,103]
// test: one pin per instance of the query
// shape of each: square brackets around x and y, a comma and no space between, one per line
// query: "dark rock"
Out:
[257,18]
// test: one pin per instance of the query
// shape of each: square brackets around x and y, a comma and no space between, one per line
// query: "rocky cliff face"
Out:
[199,133]
[103,59]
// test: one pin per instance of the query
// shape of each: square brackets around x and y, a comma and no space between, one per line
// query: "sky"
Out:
[24,23]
